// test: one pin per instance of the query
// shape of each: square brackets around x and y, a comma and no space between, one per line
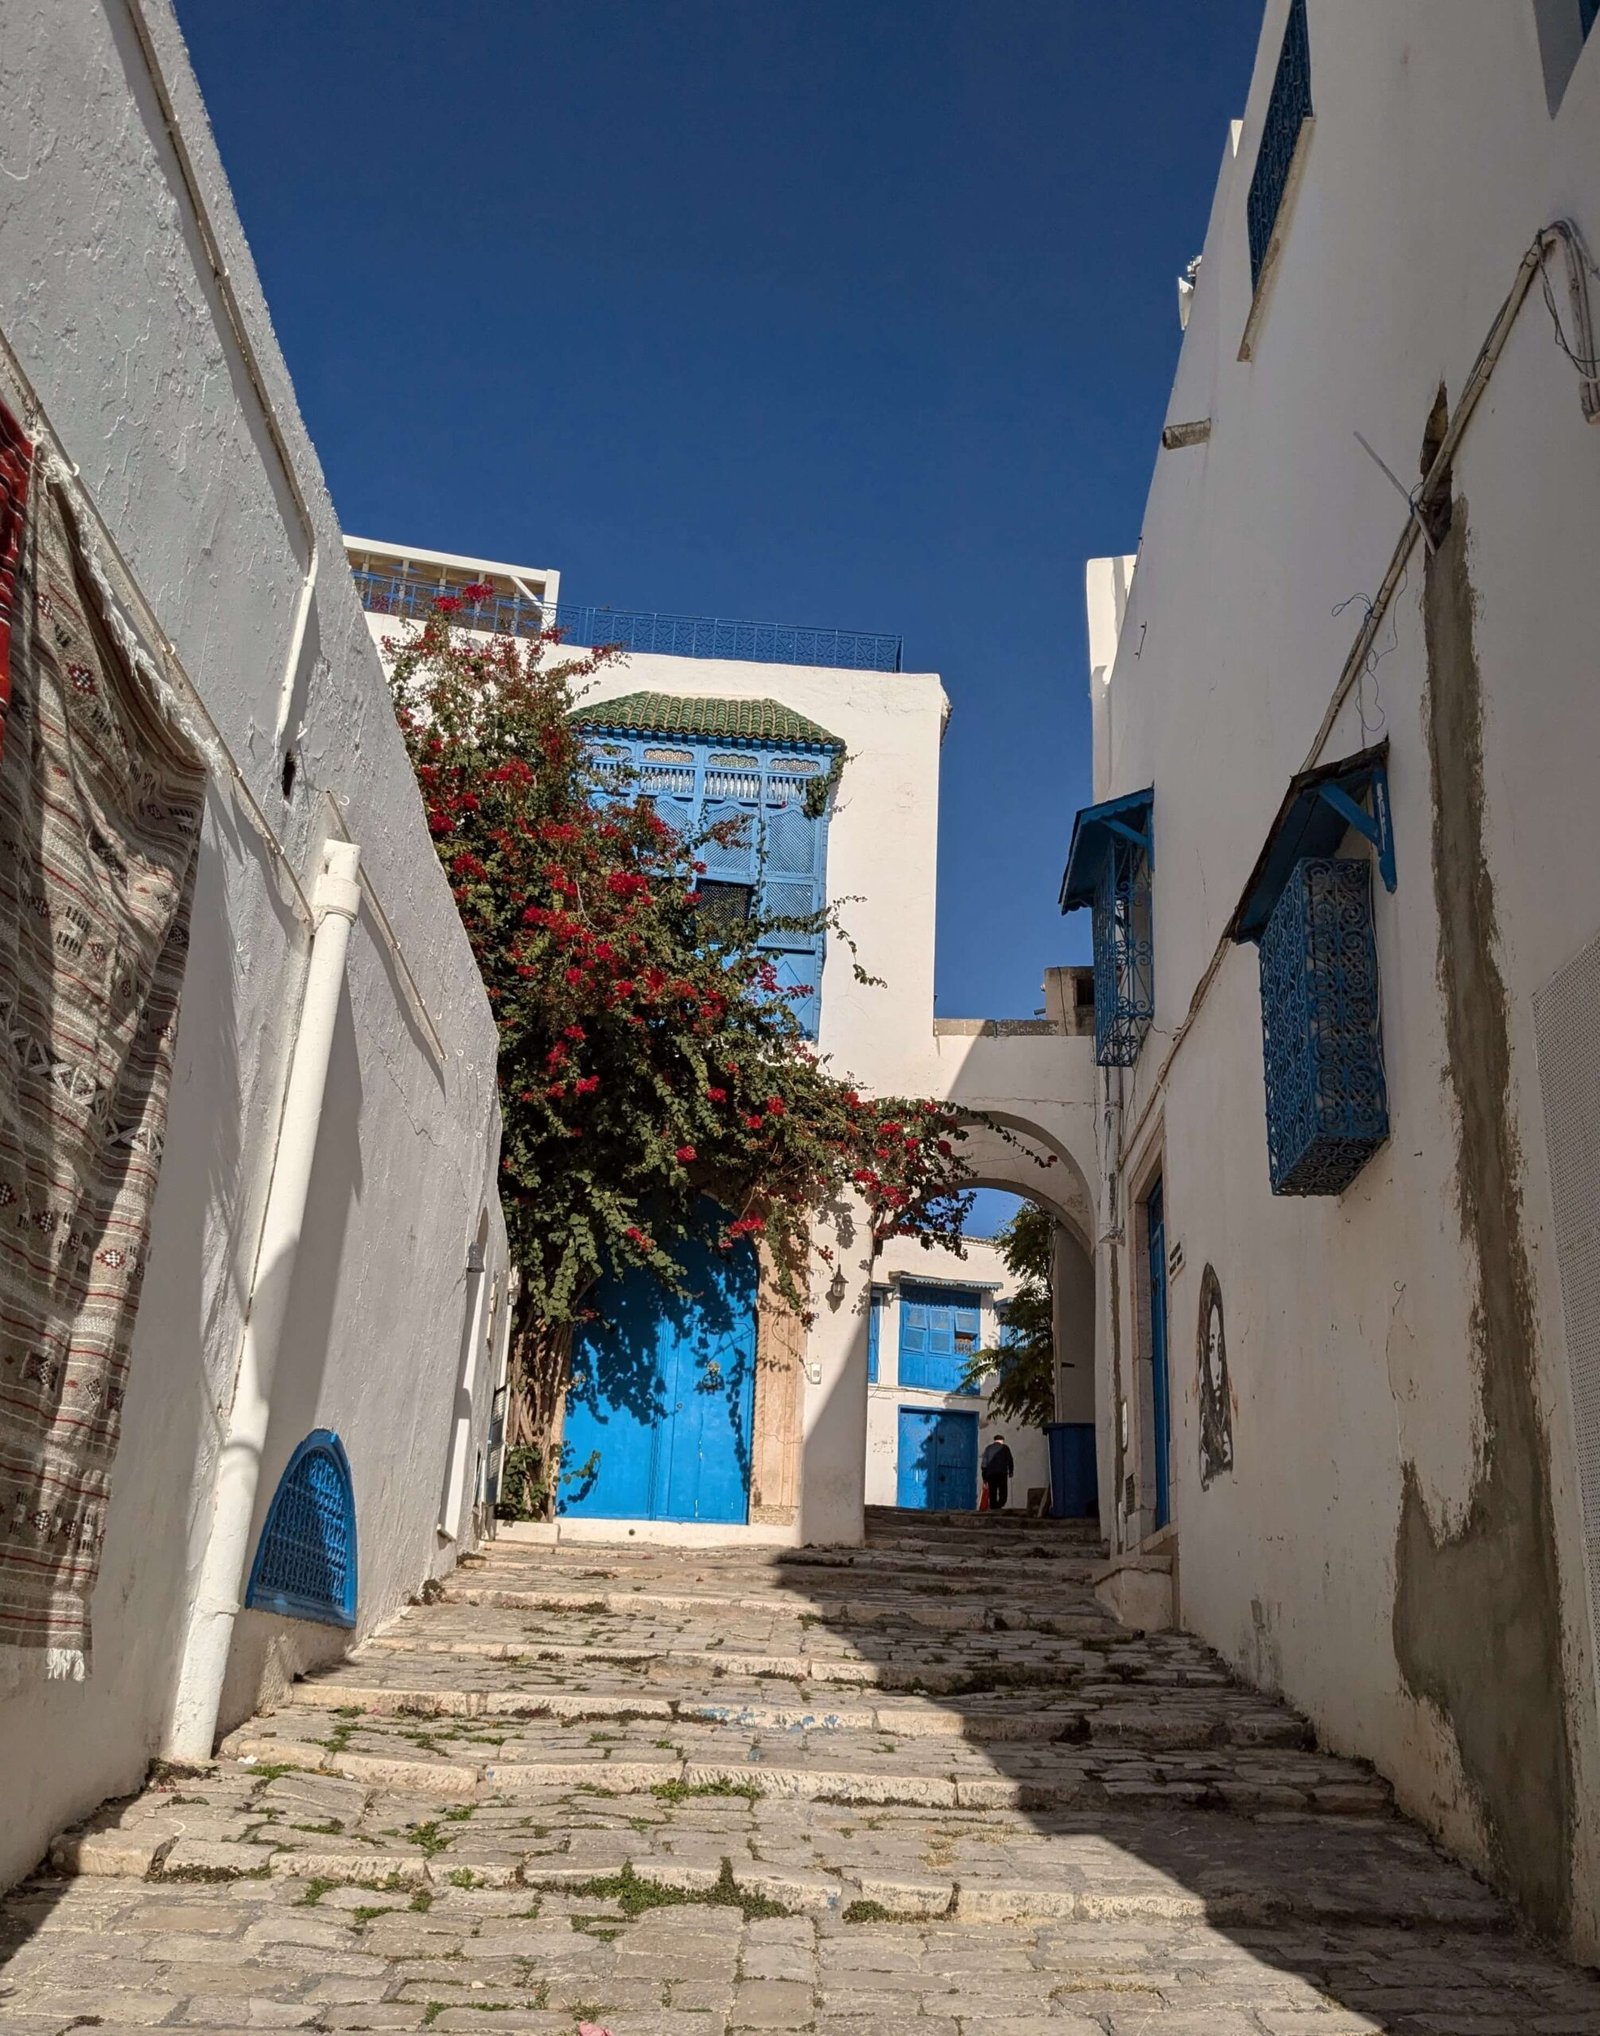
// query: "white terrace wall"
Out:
[1400,1543]
[116,319]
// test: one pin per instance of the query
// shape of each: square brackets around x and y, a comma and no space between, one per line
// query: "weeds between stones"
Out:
[634,1894]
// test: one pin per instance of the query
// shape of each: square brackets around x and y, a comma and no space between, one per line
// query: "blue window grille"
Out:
[1288,108]
[305,1564]
[776,848]
[1109,867]
[1327,1106]
[1124,956]
[940,1328]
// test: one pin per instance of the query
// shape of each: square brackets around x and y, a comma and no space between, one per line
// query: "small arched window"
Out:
[305,1566]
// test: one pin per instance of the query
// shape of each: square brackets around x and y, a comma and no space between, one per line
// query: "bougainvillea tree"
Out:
[654,1079]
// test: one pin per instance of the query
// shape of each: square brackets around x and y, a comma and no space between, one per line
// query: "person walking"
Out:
[998,1471]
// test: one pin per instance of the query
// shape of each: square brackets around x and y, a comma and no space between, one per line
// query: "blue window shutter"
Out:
[874,1332]
[913,1326]
[737,860]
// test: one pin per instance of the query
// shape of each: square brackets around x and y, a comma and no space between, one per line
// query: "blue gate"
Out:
[662,1392]
[937,1465]
[1160,1396]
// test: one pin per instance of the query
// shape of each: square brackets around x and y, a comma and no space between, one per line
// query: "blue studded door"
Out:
[937,1466]
[662,1394]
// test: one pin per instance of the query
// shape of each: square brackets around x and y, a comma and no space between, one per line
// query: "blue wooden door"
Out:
[662,1393]
[1159,1390]
[937,1464]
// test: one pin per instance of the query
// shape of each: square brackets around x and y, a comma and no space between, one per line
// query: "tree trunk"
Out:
[541,1356]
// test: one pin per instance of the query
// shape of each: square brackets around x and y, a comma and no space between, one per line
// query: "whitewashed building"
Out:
[723,719]
[926,1432]
[1342,870]
[306,1397]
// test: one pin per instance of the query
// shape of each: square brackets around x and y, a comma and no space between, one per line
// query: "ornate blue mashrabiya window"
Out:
[765,770]
[1288,109]
[1309,911]
[1109,868]
[305,1566]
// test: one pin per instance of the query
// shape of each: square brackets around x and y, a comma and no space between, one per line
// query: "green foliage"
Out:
[1023,1365]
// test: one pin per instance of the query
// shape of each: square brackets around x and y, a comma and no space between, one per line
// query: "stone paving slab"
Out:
[295,1954]
[926,1787]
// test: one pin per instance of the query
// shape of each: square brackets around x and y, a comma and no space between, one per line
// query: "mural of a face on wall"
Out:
[1216,1405]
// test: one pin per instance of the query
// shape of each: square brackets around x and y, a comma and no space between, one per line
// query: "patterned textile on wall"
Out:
[100,807]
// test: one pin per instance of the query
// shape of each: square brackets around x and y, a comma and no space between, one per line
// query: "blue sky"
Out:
[853,312]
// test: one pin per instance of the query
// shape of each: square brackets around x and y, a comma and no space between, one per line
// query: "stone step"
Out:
[985,1867]
[1110,1714]
[834,1761]
[1037,1613]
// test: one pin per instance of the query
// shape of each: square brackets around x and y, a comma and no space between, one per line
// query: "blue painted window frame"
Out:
[1288,109]
[783,857]
[935,1322]
[283,1536]
[875,1307]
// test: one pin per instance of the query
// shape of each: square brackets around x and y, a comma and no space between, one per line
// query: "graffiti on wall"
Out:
[1216,1402]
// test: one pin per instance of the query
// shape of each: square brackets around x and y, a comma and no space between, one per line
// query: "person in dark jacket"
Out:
[998,1471]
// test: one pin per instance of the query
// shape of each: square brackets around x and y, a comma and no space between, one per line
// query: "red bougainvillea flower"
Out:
[477,590]
[447,604]
[686,1155]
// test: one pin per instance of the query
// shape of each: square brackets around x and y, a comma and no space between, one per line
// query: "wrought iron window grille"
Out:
[1124,955]
[1109,867]
[1321,1023]
[1288,109]
[305,1565]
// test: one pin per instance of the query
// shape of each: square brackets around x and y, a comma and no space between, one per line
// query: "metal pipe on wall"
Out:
[193,1726]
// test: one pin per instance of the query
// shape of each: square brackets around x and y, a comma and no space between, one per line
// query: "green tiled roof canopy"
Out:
[727,720]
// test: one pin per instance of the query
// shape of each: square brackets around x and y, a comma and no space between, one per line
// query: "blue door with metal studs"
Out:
[937,1466]
[662,1393]
[1160,1394]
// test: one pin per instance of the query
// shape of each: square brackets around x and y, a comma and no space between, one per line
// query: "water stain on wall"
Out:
[1477,1621]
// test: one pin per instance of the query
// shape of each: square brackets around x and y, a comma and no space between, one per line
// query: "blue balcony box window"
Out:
[1321,1024]
[1309,911]
[1109,869]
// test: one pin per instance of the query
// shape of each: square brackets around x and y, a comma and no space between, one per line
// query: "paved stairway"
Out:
[924,1786]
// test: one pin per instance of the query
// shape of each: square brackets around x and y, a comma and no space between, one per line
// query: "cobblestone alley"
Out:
[926,1786]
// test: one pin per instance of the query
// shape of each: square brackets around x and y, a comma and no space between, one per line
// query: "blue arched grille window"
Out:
[305,1564]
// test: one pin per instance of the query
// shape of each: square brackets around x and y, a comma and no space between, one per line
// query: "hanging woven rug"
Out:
[100,806]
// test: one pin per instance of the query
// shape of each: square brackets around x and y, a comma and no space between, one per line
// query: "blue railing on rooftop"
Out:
[711,636]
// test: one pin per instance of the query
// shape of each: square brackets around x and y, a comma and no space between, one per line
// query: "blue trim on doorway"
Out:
[1160,1383]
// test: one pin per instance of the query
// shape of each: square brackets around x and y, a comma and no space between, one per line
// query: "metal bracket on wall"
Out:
[1374,826]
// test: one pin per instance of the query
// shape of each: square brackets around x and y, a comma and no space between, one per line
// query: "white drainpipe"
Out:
[337,900]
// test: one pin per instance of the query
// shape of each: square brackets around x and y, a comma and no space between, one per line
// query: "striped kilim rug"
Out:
[100,807]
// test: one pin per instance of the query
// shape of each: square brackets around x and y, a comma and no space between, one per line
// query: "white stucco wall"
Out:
[121,329]
[1353,1338]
